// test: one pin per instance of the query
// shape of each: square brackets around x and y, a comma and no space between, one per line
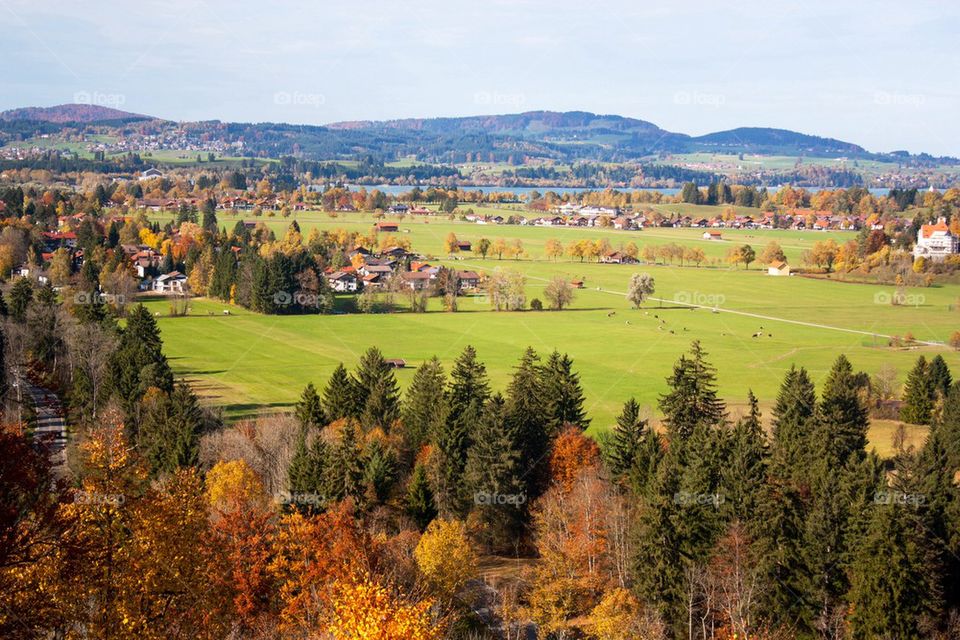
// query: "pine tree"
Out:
[21,294]
[424,406]
[169,435]
[309,410]
[793,425]
[526,415]
[692,399]
[339,396]
[948,425]
[564,393]
[377,391]
[633,452]
[138,363]
[307,474]
[939,374]
[842,418]
[918,394]
[420,505]
[379,471]
[493,474]
[466,396]
[344,475]
[892,591]
[744,472]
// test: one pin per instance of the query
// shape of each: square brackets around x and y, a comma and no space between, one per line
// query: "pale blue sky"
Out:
[881,74]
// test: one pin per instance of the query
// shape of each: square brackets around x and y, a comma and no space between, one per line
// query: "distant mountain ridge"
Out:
[64,113]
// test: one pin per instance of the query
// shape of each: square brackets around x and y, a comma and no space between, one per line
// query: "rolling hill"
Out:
[65,113]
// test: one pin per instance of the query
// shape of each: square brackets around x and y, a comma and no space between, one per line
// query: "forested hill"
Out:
[64,113]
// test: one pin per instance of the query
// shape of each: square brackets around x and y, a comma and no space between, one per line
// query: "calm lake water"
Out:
[393,190]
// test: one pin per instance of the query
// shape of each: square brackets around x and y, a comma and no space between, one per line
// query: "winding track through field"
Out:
[759,316]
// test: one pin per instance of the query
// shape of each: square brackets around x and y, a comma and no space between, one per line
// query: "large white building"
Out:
[935,242]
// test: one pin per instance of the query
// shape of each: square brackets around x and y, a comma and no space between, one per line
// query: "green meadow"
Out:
[250,363]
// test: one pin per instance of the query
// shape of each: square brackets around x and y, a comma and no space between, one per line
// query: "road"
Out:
[51,428]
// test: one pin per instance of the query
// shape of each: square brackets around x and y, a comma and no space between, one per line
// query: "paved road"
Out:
[51,429]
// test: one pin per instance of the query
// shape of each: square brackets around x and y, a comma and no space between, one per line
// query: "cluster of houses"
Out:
[392,266]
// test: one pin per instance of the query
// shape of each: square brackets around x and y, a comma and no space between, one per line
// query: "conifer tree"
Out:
[918,394]
[424,406]
[842,419]
[419,503]
[527,417]
[344,475]
[377,393]
[633,451]
[564,393]
[339,396]
[466,396]
[793,424]
[307,474]
[948,425]
[494,476]
[309,410]
[940,378]
[169,435]
[692,399]
[745,470]
[138,363]
[893,591]
[379,471]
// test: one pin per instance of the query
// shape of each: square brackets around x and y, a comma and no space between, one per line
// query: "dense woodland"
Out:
[367,513]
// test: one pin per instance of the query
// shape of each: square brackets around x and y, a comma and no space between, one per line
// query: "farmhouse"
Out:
[464,245]
[172,282]
[152,172]
[778,268]
[343,281]
[387,227]
[935,242]
[416,280]
[712,235]
[617,257]
[469,280]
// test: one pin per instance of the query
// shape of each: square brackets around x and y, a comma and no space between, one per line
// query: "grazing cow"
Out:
[758,334]
[628,322]
[611,314]
[671,332]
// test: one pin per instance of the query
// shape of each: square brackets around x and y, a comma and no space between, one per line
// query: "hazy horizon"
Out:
[867,73]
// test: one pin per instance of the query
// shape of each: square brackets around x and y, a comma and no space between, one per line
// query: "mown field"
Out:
[250,363]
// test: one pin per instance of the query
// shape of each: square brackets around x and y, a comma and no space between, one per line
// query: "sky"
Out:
[877,73]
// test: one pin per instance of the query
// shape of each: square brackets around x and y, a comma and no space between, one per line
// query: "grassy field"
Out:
[249,363]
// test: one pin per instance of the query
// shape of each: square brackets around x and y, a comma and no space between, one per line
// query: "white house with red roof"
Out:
[935,242]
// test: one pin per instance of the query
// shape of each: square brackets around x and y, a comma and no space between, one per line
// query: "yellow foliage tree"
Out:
[445,556]
[365,610]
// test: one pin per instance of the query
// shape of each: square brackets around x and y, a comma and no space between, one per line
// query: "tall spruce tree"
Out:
[377,392]
[793,425]
[419,502]
[564,393]
[494,476]
[744,472]
[527,416]
[138,363]
[339,396]
[918,394]
[169,435]
[424,406]
[894,592]
[842,418]
[633,451]
[309,409]
[692,399]
[466,396]
[344,474]
[308,472]
[940,378]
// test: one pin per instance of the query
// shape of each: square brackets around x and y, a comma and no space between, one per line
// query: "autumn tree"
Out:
[559,293]
[641,286]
